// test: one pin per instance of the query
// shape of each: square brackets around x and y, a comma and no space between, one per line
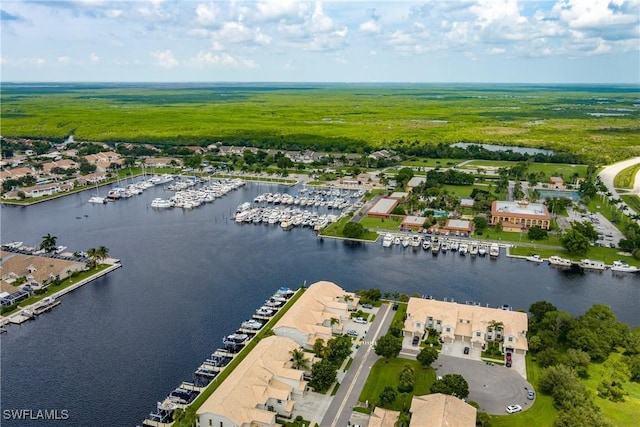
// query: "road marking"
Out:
[366,354]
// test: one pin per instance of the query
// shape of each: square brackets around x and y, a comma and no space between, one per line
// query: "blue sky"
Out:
[508,41]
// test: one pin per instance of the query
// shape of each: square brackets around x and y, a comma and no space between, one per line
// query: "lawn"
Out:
[633,201]
[626,177]
[597,253]
[390,224]
[549,169]
[335,230]
[507,236]
[432,163]
[463,190]
[621,413]
[385,373]
[541,414]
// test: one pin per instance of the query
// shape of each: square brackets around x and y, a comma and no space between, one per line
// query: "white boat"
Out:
[397,241]
[494,250]
[622,266]
[387,240]
[405,242]
[435,247]
[415,242]
[454,246]
[559,261]
[463,248]
[161,203]
[482,250]
[426,245]
[535,258]
[444,247]
[473,250]
[592,265]
[98,200]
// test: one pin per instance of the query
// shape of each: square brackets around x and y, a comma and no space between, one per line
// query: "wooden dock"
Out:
[44,308]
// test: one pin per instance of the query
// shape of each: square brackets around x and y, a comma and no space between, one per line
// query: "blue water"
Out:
[116,346]
[493,147]
[550,194]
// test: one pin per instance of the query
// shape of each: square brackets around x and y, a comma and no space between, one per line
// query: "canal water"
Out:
[116,346]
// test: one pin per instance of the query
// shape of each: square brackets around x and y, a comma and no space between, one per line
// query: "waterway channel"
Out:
[116,346]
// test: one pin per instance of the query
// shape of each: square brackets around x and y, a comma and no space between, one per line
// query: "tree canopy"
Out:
[453,384]
[388,346]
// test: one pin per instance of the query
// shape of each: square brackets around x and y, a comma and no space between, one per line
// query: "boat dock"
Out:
[45,307]
[22,317]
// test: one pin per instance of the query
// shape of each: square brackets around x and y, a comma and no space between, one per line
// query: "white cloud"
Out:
[94,58]
[207,13]
[222,59]
[496,51]
[165,59]
[275,10]
[371,26]
[64,60]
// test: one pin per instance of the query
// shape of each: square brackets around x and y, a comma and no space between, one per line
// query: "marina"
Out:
[191,278]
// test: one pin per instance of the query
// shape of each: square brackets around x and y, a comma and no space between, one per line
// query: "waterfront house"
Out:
[37,270]
[62,164]
[47,189]
[16,173]
[472,324]
[318,313]
[518,216]
[262,386]
[441,410]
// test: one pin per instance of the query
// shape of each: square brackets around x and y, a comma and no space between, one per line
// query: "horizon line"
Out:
[313,82]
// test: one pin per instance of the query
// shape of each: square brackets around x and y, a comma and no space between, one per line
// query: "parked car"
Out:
[508,364]
[415,341]
[508,355]
[395,307]
[360,320]
[531,395]
[352,333]
[367,305]
[512,409]
[466,350]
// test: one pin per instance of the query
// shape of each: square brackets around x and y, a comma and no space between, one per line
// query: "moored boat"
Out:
[559,261]
[590,264]
[494,250]
[535,258]
[623,267]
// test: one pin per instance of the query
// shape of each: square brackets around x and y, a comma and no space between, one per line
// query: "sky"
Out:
[474,41]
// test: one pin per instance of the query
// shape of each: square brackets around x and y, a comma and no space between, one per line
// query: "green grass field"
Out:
[335,230]
[598,253]
[549,169]
[326,117]
[391,224]
[627,177]
[622,414]
[384,374]
[464,190]
[432,163]
[633,201]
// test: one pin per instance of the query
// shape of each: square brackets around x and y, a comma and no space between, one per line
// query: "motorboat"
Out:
[559,261]
[482,250]
[97,200]
[161,203]
[264,311]
[473,249]
[535,258]
[415,242]
[426,245]
[397,241]
[592,265]
[494,250]
[444,247]
[251,324]
[387,240]
[405,242]
[435,247]
[463,248]
[622,266]
[454,246]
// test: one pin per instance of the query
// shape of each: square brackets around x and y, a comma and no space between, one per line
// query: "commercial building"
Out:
[383,208]
[518,216]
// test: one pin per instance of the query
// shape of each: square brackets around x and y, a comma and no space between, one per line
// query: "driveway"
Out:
[493,387]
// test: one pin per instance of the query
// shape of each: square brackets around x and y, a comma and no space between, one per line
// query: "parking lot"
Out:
[493,387]
[607,232]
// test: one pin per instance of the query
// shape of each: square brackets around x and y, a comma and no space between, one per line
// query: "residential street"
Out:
[346,398]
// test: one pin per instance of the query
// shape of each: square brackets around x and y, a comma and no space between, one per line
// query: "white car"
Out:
[512,409]
[352,332]
[360,320]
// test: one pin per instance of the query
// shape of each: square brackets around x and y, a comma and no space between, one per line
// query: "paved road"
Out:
[346,398]
[609,173]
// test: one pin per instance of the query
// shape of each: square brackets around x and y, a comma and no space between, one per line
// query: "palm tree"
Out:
[496,326]
[48,243]
[93,257]
[404,418]
[102,253]
[298,359]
